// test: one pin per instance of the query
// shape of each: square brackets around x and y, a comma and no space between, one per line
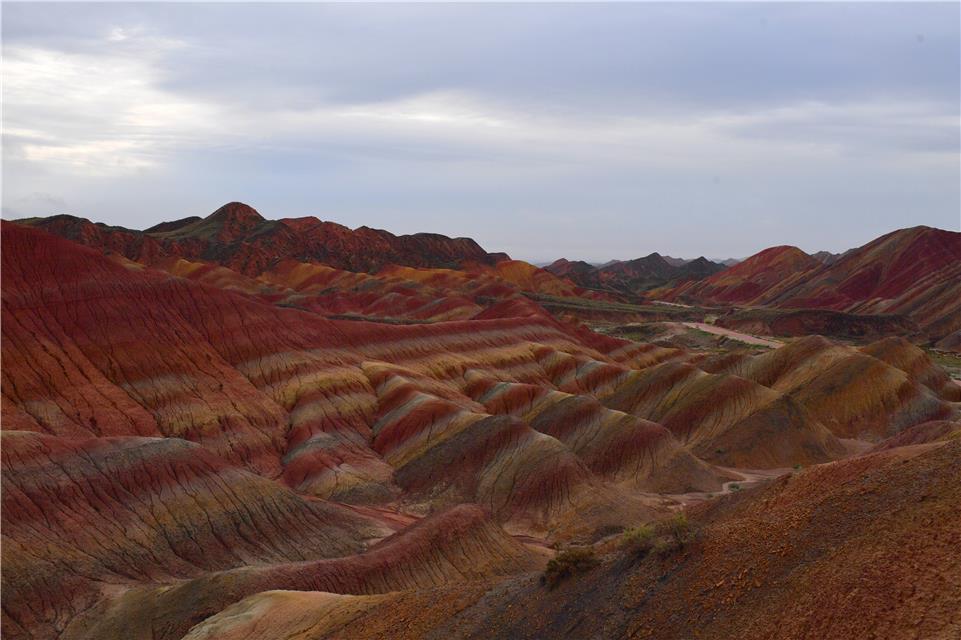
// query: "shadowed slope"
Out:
[455,546]
[82,515]
[874,536]
[934,431]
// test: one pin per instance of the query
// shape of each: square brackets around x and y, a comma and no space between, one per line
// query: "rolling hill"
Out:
[914,273]
[231,427]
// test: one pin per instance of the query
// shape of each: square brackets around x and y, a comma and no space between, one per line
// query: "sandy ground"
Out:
[735,335]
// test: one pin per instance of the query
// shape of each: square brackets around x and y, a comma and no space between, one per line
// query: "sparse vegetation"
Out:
[664,547]
[639,540]
[568,563]
[735,486]
[950,362]
[680,530]
[662,539]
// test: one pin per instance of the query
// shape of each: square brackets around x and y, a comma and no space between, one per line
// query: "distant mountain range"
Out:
[237,236]
[915,273]
[634,276]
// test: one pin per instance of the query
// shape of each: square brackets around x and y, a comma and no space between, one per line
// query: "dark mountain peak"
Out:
[233,222]
[675,262]
[58,218]
[236,212]
[650,261]
[570,268]
[700,267]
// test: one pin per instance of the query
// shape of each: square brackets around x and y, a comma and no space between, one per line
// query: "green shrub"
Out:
[567,563]
[679,529]
[735,486]
[665,546]
[639,540]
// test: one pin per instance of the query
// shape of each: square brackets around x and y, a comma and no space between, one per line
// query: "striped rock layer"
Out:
[177,439]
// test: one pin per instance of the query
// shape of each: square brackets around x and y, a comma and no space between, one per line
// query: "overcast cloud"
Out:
[590,131]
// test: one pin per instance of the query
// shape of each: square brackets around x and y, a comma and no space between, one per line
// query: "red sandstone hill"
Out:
[322,266]
[746,281]
[180,437]
[861,548]
[912,272]
[238,237]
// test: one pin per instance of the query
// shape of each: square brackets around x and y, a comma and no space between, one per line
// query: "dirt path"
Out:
[735,335]
[749,478]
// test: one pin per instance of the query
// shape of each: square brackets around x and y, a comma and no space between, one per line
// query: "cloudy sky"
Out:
[590,131]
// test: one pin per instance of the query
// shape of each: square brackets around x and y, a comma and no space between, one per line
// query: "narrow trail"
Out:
[736,335]
[749,478]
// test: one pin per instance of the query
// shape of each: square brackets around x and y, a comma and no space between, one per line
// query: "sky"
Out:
[588,131]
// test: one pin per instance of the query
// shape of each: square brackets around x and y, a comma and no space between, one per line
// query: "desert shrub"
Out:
[680,529]
[567,563]
[639,540]
[664,546]
[735,486]
[676,532]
